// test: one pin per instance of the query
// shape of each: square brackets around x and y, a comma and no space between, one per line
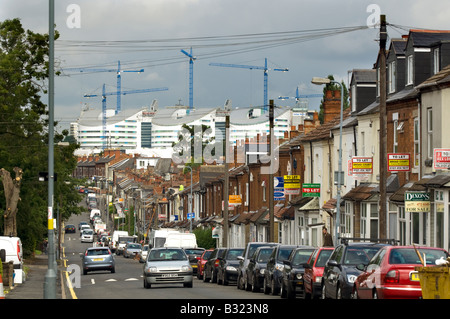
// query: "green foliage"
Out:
[24,132]
[333,87]
[204,238]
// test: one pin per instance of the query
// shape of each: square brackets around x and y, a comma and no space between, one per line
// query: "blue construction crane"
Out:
[191,78]
[104,94]
[252,67]
[119,79]
[298,96]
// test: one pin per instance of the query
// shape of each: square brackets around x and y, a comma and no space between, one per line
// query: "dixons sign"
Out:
[417,202]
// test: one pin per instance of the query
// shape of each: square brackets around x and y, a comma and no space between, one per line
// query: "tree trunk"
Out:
[12,191]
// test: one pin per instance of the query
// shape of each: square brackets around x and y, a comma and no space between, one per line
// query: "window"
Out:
[430,133]
[436,64]
[395,146]
[392,79]
[409,70]
[416,142]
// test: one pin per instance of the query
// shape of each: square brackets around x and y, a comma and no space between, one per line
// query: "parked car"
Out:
[340,271]
[274,269]
[293,271]
[98,258]
[131,249]
[69,229]
[202,261]
[143,253]
[210,268]
[194,255]
[257,267]
[87,236]
[245,259]
[228,265]
[167,265]
[312,279]
[391,273]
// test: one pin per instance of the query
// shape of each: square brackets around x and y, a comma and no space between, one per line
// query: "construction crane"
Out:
[298,96]
[104,94]
[191,78]
[252,67]
[119,79]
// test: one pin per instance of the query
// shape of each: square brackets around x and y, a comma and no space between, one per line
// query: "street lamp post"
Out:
[321,81]
[190,200]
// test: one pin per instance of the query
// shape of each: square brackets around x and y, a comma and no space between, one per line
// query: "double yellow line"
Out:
[69,282]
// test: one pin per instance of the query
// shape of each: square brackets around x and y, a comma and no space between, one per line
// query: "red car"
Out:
[312,278]
[391,272]
[202,261]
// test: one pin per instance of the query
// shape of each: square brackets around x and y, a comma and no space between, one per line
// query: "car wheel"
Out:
[213,277]
[113,270]
[266,288]
[188,284]
[239,284]
[375,294]
[339,293]
[146,284]
[255,287]
[324,292]
[282,290]
[205,277]
[247,285]
[273,289]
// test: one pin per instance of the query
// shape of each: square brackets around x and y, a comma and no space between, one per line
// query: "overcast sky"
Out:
[156,31]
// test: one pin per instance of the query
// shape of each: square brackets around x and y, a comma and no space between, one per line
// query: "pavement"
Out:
[33,286]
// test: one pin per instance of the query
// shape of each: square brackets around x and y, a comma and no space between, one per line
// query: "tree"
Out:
[333,87]
[24,135]
[12,192]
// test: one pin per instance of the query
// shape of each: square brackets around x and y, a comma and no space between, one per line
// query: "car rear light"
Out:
[392,277]
[216,263]
[18,251]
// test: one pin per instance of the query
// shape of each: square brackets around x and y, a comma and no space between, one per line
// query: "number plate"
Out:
[169,275]
[98,259]
[414,276]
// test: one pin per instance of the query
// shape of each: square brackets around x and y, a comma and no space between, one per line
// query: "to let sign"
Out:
[311,190]
[399,162]
[291,184]
[441,158]
[362,165]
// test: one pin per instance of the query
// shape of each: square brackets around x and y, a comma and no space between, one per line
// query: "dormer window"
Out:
[409,70]
[436,64]
[392,80]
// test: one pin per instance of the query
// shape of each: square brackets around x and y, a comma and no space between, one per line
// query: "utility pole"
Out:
[272,156]
[227,182]
[50,276]
[383,129]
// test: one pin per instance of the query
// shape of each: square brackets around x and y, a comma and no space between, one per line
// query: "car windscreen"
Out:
[233,254]
[166,254]
[284,253]
[88,232]
[134,246]
[264,255]
[359,255]
[301,256]
[409,256]
[97,252]
[323,257]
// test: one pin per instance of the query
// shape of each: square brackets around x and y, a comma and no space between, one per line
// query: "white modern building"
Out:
[146,129]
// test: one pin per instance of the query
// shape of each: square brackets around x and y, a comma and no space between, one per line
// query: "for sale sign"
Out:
[362,165]
[441,158]
[417,202]
[399,162]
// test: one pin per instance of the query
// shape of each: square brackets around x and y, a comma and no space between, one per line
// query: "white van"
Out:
[181,240]
[11,249]
[95,212]
[115,239]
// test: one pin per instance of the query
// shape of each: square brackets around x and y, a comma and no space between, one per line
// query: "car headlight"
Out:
[231,268]
[152,269]
[351,278]
[319,279]
[262,271]
[279,267]
[299,276]
[186,268]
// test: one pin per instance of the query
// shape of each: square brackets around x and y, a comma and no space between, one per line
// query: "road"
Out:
[127,281]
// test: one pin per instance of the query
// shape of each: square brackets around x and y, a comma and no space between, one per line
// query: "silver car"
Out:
[166,266]
[131,250]
[98,258]
[87,236]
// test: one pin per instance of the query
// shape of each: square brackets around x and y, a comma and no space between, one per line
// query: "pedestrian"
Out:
[45,244]
[327,239]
